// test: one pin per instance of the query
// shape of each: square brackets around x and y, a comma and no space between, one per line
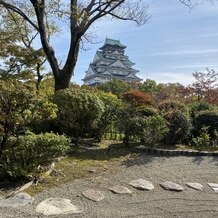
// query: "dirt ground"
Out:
[157,203]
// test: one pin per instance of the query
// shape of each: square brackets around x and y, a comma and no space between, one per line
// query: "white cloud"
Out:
[185,52]
[169,77]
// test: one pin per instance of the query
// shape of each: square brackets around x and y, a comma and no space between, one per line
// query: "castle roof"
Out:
[125,58]
[112,42]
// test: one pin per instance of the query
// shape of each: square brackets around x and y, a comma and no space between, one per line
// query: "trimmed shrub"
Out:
[169,106]
[25,153]
[155,128]
[112,104]
[203,140]
[21,109]
[206,119]
[79,111]
[179,127]
[199,107]
[148,111]
[130,123]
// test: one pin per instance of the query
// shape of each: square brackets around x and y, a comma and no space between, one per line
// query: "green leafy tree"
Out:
[116,87]
[154,130]
[179,125]
[112,104]
[21,60]
[79,111]
[130,124]
[20,107]
[149,86]
[197,107]
[207,119]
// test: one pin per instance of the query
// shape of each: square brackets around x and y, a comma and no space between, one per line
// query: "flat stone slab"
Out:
[195,185]
[142,184]
[93,194]
[56,206]
[19,200]
[171,186]
[215,189]
[119,189]
[214,186]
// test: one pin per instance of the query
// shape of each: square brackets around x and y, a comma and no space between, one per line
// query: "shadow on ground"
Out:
[133,155]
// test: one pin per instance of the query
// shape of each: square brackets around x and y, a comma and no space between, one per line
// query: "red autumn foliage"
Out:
[137,98]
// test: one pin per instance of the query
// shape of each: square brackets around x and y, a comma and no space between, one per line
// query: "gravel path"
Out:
[157,203]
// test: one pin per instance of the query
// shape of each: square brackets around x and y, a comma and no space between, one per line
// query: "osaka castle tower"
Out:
[109,63]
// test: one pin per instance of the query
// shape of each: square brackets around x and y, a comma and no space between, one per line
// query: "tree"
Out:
[205,82]
[80,16]
[79,111]
[20,59]
[20,107]
[149,86]
[170,91]
[137,99]
[116,87]
[111,105]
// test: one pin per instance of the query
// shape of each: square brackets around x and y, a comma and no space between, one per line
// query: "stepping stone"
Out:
[214,186]
[215,189]
[19,200]
[142,184]
[93,194]
[195,185]
[56,206]
[119,189]
[171,186]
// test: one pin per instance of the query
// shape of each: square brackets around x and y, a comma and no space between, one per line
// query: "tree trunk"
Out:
[63,77]
[62,82]
[77,138]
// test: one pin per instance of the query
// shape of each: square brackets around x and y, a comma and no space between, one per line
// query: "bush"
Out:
[199,107]
[169,106]
[20,108]
[148,111]
[79,111]
[155,128]
[206,119]
[25,153]
[130,123]
[111,105]
[179,127]
[203,140]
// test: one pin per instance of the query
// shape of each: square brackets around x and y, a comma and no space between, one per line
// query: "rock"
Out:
[195,185]
[168,185]
[56,206]
[19,200]
[119,189]
[92,170]
[215,189]
[142,184]
[93,194]
[214,186]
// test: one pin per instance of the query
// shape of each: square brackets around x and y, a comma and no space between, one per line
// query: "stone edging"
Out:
[179,152]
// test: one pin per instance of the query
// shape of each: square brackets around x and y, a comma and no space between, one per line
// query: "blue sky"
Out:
[175,43]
